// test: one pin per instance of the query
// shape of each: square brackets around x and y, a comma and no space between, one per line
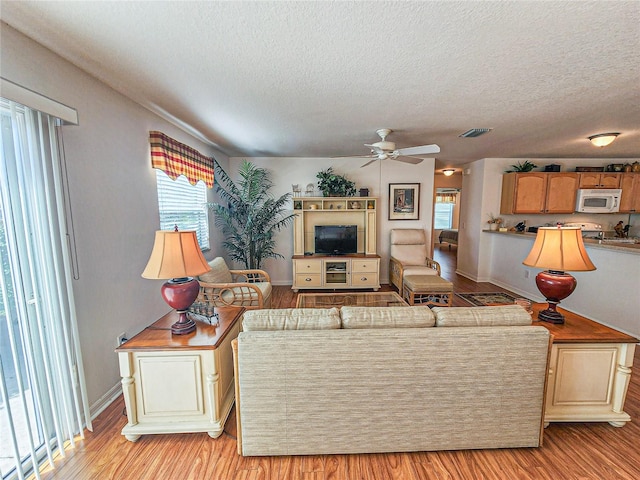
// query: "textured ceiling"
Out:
[316,79]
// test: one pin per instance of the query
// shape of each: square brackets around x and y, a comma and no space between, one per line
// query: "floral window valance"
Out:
[175,159]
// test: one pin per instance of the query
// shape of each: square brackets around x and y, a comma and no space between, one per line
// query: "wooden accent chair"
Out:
[222,287]
[409,252]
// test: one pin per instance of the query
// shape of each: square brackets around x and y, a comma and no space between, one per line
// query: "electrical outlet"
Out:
[121,339]
[526,274]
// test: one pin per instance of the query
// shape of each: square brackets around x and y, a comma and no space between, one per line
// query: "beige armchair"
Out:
[245,288]
[408,256]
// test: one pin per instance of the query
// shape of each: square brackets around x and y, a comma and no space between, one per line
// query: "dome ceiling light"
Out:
[449,171]
[603,139]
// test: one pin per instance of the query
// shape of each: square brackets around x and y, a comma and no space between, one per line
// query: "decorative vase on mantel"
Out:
[493,226]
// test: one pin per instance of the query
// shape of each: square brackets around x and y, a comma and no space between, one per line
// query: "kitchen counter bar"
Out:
[633,248]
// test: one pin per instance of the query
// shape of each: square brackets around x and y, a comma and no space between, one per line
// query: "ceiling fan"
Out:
[384,150]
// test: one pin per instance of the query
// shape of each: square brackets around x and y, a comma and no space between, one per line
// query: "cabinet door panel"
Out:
[561,193]
[530,193]
[630,199]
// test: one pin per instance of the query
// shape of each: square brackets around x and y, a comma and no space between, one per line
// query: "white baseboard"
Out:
[107,399]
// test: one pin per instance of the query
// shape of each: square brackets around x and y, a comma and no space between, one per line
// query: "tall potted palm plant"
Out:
[251,215]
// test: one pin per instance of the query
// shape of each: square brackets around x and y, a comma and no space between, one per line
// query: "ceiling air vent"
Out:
[475,132]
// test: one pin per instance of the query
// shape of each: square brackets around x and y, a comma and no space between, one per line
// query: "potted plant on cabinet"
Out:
[494,222]
[251,216]
[333,185]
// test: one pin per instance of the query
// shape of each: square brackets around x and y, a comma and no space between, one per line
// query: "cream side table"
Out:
[179,383]
[589,371]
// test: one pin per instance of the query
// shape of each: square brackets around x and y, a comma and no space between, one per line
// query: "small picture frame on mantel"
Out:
[404,201]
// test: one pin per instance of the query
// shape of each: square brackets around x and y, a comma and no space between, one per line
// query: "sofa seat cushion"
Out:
[219,272]
[291,319]
[418,270]
[386,317]
[507,315]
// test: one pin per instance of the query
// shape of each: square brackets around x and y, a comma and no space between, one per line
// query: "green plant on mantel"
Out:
[251,216]
[333,185]
[525,166]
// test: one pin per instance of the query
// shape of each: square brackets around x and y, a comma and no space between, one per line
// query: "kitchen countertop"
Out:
[633,248]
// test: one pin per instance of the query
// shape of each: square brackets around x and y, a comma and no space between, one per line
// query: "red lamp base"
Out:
[180,293]
[555,286]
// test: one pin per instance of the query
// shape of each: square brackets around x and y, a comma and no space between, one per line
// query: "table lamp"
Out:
[558,249]
[176,257]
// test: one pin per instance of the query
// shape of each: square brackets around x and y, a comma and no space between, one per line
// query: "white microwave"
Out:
[598,200]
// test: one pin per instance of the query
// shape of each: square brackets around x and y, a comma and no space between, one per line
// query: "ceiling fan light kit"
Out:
[603,139]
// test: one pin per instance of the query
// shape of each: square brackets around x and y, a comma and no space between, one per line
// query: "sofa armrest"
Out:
[395,273]
[234,348]
[250,276]
[433,264]
[245,295]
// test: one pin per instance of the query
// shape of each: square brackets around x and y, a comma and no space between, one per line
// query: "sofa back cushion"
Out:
[291,319]
[387,317]
[219,272]
[506,315]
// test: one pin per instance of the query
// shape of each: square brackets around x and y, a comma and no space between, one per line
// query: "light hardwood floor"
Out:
[594,451]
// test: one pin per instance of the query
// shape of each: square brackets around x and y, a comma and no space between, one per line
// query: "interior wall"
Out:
[113,200]
[376,177]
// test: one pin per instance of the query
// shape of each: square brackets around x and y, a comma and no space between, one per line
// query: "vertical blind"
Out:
[43,400]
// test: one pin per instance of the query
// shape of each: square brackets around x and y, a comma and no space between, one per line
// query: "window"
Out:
[184,205]
[443,215]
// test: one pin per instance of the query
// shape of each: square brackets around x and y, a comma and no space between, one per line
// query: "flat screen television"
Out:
[336,239]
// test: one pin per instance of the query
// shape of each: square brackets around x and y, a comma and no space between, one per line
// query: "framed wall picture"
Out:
[404,200]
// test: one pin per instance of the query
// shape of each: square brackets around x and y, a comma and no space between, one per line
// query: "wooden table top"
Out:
[578,329]
[157,336]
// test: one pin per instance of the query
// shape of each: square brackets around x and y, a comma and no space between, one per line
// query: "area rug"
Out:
[483,299]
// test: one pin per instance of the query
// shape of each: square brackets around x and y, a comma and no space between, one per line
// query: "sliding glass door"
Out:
[42,398]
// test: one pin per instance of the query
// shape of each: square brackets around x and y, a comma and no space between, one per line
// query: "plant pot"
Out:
[493,226]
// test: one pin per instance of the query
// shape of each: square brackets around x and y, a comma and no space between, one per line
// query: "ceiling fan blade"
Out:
[369,162]
[355,156]
[421,150]
[411,160]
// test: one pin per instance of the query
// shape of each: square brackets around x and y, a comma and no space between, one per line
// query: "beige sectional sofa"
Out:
[368,379]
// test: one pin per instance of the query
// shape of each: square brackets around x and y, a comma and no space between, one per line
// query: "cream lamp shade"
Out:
[559,250]
[175,255]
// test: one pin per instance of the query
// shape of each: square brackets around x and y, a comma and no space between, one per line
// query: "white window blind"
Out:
[184,205]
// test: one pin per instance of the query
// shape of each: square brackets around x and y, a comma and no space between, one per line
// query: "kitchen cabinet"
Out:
[630,199]
[538,192]
[599,180]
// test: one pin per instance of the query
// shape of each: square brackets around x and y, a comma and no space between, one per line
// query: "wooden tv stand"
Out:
[352,271]
[336,272]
